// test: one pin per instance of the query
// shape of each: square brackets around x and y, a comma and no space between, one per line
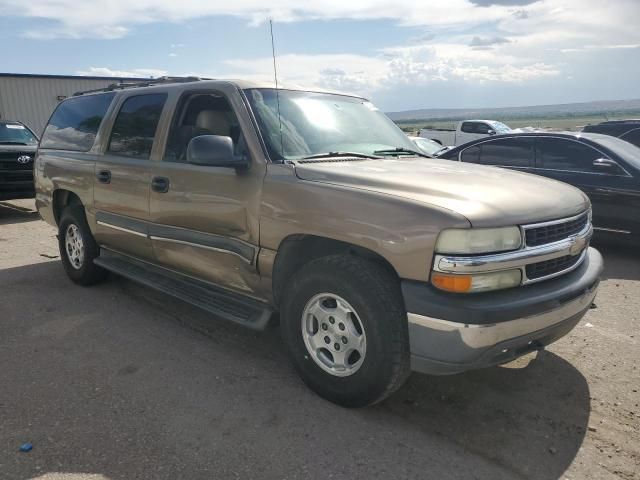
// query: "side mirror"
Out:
[491,132]
[214,151]
[605,165]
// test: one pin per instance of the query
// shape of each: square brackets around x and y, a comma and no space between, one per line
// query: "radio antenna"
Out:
[275,77]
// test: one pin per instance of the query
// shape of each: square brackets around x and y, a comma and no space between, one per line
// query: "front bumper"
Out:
[451,333]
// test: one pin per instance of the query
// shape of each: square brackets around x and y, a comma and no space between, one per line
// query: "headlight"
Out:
[478,240]
[479,282]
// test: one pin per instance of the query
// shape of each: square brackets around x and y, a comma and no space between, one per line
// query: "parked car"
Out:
[428,147]
[465,131]
[245,200]
[17,148]
[607,169]
[628,130]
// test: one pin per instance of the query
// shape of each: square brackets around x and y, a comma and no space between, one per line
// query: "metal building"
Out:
[30,99]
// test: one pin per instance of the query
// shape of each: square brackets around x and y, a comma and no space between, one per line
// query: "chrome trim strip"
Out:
[122,229]
[555,222]
[198,245]
[483,336]
[515,259]
[612,230]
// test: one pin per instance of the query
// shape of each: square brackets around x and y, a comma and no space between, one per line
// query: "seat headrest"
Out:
[214,121]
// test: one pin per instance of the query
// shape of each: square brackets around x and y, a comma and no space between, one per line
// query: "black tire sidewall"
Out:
[381,323]
[89,273]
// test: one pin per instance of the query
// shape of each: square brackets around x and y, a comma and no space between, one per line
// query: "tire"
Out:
[374,297]
[77,259]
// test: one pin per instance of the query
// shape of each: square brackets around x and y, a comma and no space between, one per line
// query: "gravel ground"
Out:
[116,382]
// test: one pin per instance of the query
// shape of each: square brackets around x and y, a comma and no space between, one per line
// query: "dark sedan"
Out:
[606,168]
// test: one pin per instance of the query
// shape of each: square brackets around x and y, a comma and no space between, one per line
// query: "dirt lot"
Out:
[116,382]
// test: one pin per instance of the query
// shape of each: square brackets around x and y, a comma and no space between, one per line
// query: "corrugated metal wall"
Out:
[31,100]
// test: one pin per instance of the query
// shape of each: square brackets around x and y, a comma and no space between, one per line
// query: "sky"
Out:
[402,54]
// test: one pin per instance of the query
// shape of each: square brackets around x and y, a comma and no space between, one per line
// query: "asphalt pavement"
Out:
[118,382]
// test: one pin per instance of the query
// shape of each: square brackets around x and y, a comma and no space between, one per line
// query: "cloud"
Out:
[511,3]
[134,73]
[487,41]
[74,19]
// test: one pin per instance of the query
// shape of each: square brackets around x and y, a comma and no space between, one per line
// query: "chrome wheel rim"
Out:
[333,334]
[74,246]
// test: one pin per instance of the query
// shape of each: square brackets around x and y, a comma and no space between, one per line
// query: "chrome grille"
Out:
[551,267]
[555,231]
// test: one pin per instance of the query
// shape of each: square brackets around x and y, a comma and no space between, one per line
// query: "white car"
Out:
[429,147]
[466,131]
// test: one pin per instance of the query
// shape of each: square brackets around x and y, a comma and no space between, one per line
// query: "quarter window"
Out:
[561,154]
[75,122]
[509,152]
[135,126]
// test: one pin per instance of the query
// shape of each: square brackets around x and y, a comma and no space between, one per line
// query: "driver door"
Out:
[204,220]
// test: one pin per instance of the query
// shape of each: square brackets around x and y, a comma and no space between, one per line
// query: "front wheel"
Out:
[344,325]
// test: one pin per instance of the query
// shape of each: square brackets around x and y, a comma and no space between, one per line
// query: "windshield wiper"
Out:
[400,151]
[338,154]
[12,143]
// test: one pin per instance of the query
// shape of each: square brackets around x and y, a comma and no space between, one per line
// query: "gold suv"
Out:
[249,201]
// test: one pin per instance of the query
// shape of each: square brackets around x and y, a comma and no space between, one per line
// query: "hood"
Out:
[486,196]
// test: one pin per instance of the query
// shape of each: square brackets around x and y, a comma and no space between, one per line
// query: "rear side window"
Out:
[468,127]
[75,123]
[508,152]
[135,126]
[561,154]
[471,154]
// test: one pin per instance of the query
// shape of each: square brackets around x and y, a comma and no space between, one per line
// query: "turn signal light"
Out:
[452,283]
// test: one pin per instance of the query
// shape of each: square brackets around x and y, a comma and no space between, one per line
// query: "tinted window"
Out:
[468,127]
[74,124]
[471,154]
[135,126]
[560,154]
[513,152]
[482,128]
[632,137]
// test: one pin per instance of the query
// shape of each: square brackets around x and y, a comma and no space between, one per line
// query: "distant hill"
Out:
[537,111]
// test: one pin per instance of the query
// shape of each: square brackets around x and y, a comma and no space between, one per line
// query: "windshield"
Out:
[500,127]
[315,123]
[14,133]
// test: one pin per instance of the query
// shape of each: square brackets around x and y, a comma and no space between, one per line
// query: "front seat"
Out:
[213,122]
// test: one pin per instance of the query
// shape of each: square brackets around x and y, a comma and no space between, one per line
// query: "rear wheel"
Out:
[78,248]
[344,325]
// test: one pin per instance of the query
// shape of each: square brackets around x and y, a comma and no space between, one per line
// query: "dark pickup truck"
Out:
[18,147]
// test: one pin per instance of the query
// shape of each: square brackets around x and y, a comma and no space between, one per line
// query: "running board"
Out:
[222,303]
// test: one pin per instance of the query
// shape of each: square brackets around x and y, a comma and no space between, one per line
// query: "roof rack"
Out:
[144,83]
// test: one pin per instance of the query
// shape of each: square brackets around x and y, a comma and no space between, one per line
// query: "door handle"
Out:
[160,184]
[104,176]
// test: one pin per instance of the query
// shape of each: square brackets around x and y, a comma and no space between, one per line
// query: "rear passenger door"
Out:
[123,175]
[571,161]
